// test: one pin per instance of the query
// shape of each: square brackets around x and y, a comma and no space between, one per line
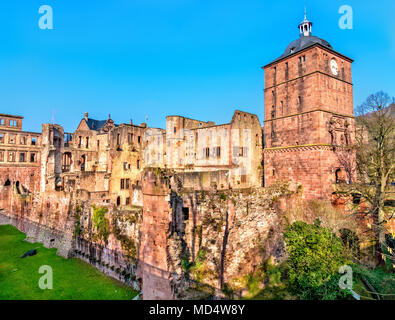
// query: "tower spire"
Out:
[305,26]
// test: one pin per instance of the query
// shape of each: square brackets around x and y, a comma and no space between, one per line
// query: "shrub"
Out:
[100,222]
[315,255]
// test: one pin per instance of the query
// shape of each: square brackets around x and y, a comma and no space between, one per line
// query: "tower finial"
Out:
[305,26]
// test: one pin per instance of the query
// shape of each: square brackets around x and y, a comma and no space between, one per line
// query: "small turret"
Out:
[305,27]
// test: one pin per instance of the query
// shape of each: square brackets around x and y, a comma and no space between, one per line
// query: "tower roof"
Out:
[305,40]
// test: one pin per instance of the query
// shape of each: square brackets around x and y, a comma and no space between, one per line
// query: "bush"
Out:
[315,255]
[100,222]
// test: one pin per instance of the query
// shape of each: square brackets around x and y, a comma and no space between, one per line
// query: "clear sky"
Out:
[197,58]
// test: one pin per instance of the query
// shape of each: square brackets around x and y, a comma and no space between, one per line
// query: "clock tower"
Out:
[308,115]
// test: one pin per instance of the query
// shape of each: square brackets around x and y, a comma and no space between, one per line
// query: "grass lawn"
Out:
[73,279]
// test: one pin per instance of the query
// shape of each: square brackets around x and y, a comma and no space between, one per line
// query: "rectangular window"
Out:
[23,139]
[118,139]
[32,157]
[22,157]
[217,152]
[1,122]
[207,152]
[79,142]
[122,184]
[139,139]
[13,123]
[98,144]
[130,138]
[1,138]
[138,164]
[127,182]
[175,129]
[87,142]
[2,155]
[11,156]
[127,201]
[242,151]
[185,213]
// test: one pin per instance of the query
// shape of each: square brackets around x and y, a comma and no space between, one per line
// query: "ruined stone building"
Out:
[20,154]
[308,98]
[192,186]
[234,147]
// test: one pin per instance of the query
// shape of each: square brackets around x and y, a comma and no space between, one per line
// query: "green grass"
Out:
[381,279]
[73,279]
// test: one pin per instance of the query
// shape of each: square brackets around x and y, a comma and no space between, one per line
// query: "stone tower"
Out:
[308,111]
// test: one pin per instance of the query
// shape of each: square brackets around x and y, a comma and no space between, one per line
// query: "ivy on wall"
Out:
[100,222]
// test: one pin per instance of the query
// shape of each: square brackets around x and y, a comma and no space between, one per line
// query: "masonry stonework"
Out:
[193,192]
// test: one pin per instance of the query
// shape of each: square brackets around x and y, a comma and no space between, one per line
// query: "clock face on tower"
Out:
[334,67]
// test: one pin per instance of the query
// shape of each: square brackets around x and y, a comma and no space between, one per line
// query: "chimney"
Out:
[131,121]
[86,116]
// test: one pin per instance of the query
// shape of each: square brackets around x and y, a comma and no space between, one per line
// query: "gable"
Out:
[83,125]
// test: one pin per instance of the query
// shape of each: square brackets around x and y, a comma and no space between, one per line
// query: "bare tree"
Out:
[375,164]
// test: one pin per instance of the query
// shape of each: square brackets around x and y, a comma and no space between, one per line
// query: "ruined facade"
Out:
[20,155]
[194,190]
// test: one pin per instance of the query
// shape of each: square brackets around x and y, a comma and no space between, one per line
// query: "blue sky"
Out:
[200,59]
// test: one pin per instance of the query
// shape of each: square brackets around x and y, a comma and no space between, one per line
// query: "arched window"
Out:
[118,201]
[83,165]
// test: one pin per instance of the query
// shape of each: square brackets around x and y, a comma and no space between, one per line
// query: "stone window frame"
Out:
[23,139]
[34,155]
[2,137]
[2,153]
[242,151]
[33,141]
[206,152]
[2,122]
[217,152]
[122,186]
[130,138]
[12,138]
[11,156]
[22,156]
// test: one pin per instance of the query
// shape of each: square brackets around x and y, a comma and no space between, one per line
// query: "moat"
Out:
[72,278]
